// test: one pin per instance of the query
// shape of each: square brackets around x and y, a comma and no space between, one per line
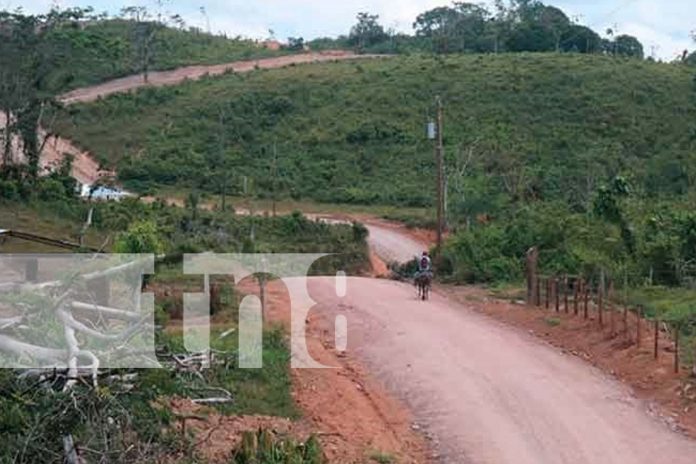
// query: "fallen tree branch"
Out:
[106,311]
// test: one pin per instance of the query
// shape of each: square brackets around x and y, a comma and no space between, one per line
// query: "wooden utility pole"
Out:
[274,175]
[439,158]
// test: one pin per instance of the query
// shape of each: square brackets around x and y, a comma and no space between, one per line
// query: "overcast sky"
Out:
[662,25]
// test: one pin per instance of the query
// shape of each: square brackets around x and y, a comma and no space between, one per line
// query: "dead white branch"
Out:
[9,344]
[6,323]
[112,313]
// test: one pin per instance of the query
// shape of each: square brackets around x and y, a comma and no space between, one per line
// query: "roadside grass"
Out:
[382,458]
[262,447]
[265,391]
[513,291]
[46,219]
[35,420]
[662,302]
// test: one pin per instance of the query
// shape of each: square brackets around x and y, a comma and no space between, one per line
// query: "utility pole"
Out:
[439,161]
[274,174]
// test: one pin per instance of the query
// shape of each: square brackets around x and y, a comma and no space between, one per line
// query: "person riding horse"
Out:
[424,275]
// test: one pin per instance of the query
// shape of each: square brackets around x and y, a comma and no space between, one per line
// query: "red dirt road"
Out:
[87,171]
[392,244]
[490,393]
[176,76]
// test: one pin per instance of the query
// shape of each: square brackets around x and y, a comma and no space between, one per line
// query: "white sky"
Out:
[663,26]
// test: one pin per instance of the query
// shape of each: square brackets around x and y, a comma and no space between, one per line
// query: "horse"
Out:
[423,282]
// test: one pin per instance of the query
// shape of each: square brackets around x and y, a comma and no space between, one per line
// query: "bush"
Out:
[48,189]
[9,190]
[263,447]
[476,256]
[141,237]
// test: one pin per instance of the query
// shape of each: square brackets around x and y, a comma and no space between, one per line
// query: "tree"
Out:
[438,25]
[555,22]
[31,53]
[581,39]
[626,45]
[296,43]
[453,29]
[367,32]
[141,237]
[691,58]
[537,27]
[607,205]
[145,31]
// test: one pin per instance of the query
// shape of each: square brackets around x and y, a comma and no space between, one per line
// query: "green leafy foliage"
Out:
[539,127]
[109,48]
[262,447]
[141,237]
[463,27]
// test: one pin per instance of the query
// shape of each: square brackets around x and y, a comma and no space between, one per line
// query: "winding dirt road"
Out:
[392,245]
[489,393]
[492,394]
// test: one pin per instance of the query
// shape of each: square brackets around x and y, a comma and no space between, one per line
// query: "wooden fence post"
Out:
[576,283]
[612,323]
[677,329]
[638,324]
[556,295]
[657,335]
[538,290]
[625,320]
[565,292]
[548,290]
[532,259]
[587,299]
[601,306]
[610,307]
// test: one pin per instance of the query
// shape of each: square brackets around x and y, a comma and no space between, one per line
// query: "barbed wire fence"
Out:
[606,301]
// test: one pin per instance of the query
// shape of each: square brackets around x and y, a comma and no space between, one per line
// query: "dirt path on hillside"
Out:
[177,76]
[489,393]
[87,170]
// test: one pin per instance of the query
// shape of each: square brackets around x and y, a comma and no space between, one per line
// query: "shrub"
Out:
[8,190]
[141,237]
[263,447]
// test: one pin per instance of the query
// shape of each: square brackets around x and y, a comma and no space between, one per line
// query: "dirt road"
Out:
[391,244]
[87,171]
[176,76]
[489,393]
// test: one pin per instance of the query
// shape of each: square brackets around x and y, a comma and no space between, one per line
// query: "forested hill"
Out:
[518,127]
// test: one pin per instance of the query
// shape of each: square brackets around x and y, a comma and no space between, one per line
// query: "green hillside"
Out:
[105,49]
[539,126]
[589,157]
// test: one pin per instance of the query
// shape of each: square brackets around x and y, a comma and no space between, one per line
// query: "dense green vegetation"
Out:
[135,423]
[262,447]
[538,127]
[109,48]
[42,56]
[512,26]
[135,227]
[589,157]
